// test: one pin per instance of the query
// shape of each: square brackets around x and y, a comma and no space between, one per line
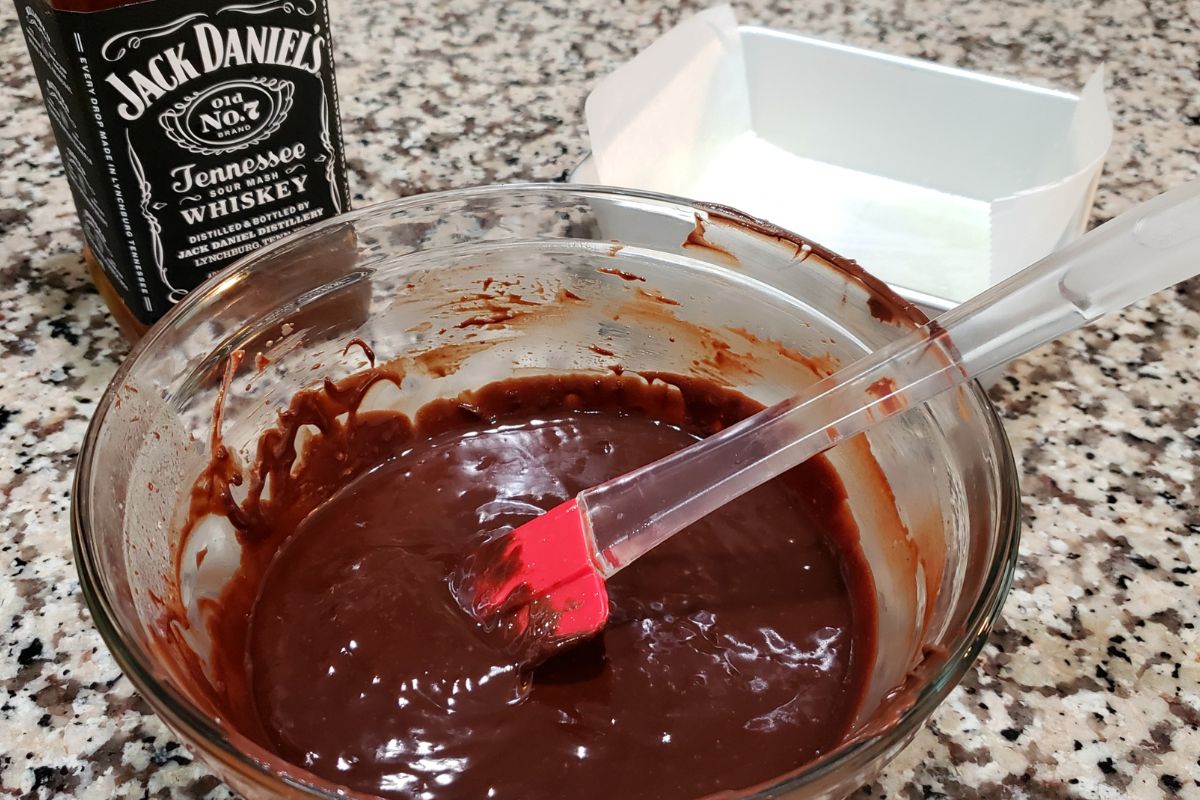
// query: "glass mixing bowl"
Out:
[667,285]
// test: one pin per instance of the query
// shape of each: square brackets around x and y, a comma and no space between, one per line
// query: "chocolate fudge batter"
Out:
[736,651]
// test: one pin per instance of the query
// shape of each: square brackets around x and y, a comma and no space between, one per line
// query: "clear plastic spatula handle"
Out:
[1148,248]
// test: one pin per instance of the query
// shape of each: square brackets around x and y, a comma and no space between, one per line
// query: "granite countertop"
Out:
[1090,686]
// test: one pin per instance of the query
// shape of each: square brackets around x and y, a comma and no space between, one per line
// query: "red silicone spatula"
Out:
[544,583]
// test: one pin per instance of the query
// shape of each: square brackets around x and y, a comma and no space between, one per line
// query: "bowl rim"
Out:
[182,715]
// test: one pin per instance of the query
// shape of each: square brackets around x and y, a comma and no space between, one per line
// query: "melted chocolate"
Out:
[620,273]
[883,303]
[736,651]
[695,240]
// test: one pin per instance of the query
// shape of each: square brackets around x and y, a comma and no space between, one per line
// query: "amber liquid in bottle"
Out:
[192,132]
[130,326]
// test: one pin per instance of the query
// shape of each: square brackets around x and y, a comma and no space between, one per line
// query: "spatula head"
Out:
[537,587]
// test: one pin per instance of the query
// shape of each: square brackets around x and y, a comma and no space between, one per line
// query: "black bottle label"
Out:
[191,132]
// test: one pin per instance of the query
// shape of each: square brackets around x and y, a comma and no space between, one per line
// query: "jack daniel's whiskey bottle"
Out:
[191,132]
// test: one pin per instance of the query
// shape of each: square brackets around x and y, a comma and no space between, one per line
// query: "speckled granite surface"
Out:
[1090,686]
